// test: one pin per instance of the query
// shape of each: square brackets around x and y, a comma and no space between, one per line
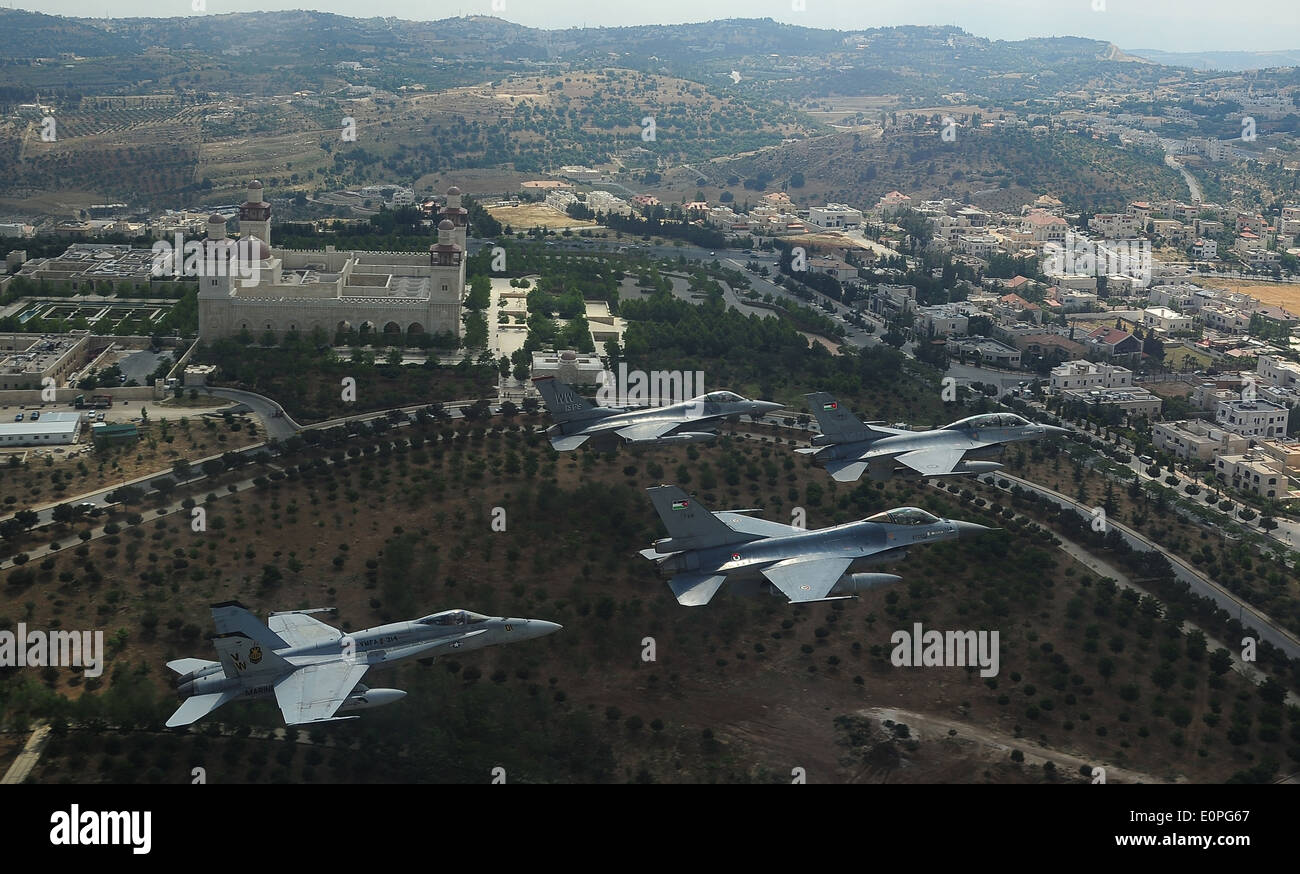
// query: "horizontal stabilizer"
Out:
[199,706]
[846,471]
[567,442]
[696,590]
[185,666]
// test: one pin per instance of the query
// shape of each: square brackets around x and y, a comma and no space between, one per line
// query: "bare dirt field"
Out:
[532,215]
[1271,293]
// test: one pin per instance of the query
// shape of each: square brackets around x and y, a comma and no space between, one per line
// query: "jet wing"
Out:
[314,692]
[932,462]
[299,629]
[646,430]
[652,430]
[696,590]
[808,579]
[750,525]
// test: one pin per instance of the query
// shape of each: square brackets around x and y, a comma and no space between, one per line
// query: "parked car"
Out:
[18,418]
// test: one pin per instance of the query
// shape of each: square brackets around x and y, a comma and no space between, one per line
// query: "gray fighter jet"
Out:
[313,670]
[578,420]
[705,549]
[847,447]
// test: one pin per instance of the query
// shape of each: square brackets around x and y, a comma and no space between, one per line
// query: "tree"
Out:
[1220,661]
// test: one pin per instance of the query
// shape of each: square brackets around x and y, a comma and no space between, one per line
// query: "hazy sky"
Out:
[1171,25]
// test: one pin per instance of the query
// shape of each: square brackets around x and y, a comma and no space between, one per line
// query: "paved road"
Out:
[1264,626]
[279,427]
[28,758]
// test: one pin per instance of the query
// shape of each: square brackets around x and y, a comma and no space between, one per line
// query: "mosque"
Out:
[400,295]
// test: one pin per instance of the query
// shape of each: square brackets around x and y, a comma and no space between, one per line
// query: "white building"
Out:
[1252,472]
[1190,439]
[1252,418]
[1044,227]
[893,202]
[603,201]
[835,215]
[1226,319]
[1115,225]
[1279,371]
[1166,320]
[50,429]
[16,229]
[978,245]
[1087,374]
[943,320]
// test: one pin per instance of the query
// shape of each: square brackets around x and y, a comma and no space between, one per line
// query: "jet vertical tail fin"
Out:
[690,524]
[232,617]
[563,403]
[247,659]
[836,423]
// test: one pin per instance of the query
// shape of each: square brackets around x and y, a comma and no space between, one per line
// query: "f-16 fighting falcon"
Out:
[705,549]
[578,420]
[314,670]
[847,447]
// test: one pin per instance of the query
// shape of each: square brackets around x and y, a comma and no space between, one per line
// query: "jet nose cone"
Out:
[1053,431]
[527,629]
[765,407]
[967,528]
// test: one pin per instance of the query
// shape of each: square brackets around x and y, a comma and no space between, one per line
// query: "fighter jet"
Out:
[847,447]
[313,670]
[578,420]
[705,549]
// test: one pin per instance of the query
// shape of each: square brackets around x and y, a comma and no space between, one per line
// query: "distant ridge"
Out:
[1227,61]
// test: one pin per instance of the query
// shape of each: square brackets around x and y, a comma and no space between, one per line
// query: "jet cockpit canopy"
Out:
[453,618]
[905,516]
[720,397]
[989,420]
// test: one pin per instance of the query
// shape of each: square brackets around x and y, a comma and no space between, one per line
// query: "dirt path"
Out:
[996,747]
